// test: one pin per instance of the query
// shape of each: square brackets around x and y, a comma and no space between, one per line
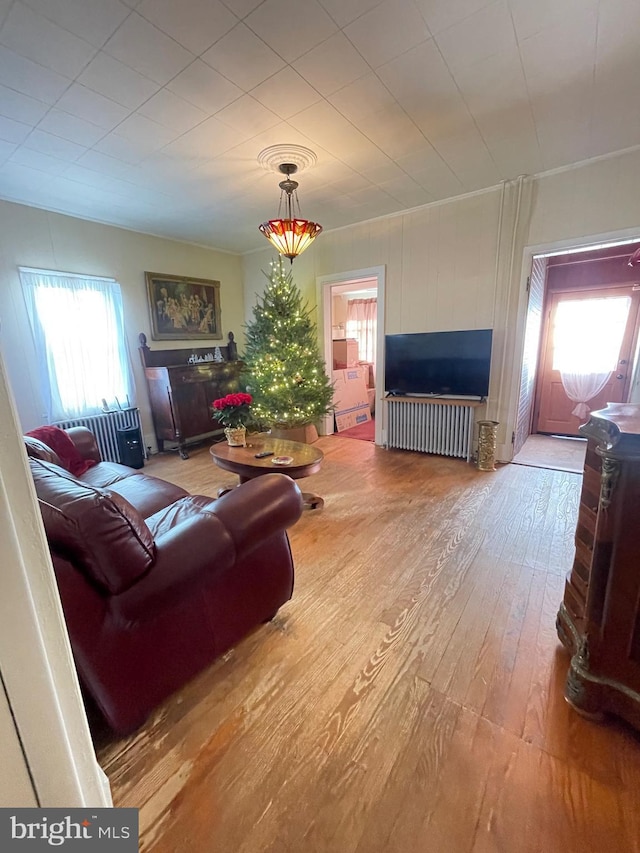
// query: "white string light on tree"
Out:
[285,370]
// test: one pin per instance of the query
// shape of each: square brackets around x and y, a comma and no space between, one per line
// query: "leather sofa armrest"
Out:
[210,542]
[259,508]
[85,443]
[185,555]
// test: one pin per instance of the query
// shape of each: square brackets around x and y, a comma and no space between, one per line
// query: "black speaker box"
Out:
[130,447]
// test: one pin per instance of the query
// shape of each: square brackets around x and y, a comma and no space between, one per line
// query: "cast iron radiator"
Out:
[445,428]
[105,427]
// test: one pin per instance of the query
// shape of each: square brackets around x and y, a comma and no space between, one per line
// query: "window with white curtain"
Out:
[362,325]
[578,343]
[79,335]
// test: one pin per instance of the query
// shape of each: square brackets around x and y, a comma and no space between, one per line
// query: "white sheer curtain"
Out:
[583,355]
[362,325]
[79,335]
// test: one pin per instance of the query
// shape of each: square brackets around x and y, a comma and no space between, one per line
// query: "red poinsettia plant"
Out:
[233,410]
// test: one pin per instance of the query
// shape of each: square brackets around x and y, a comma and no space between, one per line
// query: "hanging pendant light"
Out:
[290,234]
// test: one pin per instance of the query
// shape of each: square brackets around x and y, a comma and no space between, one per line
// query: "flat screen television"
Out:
[439,364]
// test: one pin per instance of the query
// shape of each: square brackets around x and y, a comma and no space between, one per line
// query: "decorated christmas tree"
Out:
[284,371]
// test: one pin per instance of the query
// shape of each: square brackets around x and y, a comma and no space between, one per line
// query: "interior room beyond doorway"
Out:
[354,331]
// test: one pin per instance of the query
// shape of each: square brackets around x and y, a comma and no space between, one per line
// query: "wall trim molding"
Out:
[37,665]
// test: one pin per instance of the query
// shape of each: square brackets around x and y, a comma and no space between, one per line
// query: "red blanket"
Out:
[58,440]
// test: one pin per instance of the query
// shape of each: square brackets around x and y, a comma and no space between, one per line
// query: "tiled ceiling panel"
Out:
[331,65]
[286,93]
[92,20]
[92,106]
[195,24]
[145,48]
[31,35]
[387,31]
[151,114]
[117,81]
[23,75]
[243,57]
[204,87]
[291,30]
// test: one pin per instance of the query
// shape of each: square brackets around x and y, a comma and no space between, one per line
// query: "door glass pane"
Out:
[587,334]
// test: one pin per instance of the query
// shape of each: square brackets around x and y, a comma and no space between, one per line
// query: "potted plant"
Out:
[233,412]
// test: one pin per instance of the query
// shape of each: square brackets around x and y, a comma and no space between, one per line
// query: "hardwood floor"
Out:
[408,698]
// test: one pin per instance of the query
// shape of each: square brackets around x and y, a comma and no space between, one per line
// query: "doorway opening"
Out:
[353,320]
[580,348]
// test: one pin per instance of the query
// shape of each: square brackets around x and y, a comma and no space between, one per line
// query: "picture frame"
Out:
[183,307]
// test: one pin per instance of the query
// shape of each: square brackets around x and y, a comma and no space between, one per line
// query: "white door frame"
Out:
[324,285]
[16,787]
[36,663]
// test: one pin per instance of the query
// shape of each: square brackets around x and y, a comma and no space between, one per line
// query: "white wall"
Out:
[339,309]
[599,198]
[440,267]
[36,238]
[441,260]
[440,264]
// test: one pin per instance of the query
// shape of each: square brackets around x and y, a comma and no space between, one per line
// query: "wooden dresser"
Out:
[181,394]
[599,619]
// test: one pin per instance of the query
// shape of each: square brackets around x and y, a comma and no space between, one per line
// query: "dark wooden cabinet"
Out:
[599,618]
[181,394]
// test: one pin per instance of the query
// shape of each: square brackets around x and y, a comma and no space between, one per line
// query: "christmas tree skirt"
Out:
[306,434]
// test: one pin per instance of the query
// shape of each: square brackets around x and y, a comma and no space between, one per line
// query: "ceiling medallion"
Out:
[271,158]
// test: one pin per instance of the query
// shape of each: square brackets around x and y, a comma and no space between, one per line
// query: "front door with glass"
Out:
[586,357]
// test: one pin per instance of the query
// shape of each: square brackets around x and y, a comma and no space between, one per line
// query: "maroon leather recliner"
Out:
[156,583]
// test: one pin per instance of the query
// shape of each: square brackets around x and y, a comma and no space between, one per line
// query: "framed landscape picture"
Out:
[183,308]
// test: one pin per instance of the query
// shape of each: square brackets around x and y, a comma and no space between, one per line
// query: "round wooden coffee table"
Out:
[305,460]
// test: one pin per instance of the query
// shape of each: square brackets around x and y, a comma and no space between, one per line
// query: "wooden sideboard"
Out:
[181,394]
[599,618]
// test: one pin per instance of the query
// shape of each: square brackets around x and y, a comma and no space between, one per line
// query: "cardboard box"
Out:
[371,393]
[350,398]
[368,373]
[351,419]
[345,353]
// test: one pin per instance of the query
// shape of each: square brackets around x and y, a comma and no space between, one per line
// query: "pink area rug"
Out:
[364,432]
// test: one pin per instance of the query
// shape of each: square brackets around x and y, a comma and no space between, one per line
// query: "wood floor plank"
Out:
[508,810]
[499,688]
[457,665]
[408,698]
[355,775]
[491,662]
[517,699]
[546,712]
[411,786]
[451,823]
[293,743]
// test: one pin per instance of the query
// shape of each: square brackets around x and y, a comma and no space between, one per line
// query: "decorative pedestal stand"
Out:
[487,431]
